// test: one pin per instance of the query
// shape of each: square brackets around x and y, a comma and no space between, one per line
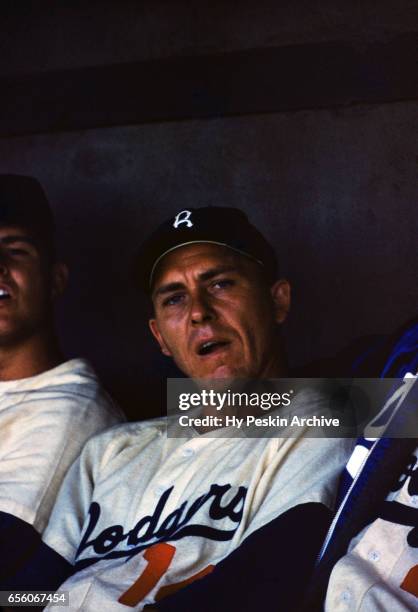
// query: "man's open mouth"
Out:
[211,346]
[4,294]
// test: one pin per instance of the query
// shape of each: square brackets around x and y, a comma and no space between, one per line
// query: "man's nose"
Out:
[201,310]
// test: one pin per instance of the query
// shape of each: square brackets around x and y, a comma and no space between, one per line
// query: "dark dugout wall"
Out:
[258,107]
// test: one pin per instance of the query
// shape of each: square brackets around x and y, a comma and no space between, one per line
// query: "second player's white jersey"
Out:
[45,421]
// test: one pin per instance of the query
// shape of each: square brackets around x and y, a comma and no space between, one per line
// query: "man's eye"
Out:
[223,283]
[173,300]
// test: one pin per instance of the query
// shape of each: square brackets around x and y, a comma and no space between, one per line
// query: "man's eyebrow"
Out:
[209,274]
[168,288]
[11,239]
[204,276]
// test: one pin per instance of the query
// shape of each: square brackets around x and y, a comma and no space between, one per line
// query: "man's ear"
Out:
[155,330]
[59,279]
[280,292]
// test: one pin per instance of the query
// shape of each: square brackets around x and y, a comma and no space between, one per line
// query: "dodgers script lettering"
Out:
[153,528]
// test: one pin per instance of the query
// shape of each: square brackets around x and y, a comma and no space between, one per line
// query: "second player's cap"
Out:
[228,227]
[23,203]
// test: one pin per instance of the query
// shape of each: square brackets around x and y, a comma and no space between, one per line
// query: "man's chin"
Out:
[7,334]
[13,334]
[223,372]
[219,379]
[220,371]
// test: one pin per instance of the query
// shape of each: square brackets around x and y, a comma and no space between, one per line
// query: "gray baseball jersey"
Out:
[380,570]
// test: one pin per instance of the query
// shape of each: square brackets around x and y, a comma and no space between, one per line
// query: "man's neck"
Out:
[32,357]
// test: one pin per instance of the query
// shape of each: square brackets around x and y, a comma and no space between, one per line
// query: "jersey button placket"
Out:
[345,596]
[374,555]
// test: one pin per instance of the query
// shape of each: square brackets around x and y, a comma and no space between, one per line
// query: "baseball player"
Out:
[207,521]
[48,406]
[369,559]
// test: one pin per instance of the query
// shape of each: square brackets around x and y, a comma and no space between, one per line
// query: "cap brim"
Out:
[178,246]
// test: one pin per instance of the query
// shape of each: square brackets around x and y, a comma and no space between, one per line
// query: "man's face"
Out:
[27,286]
[215,315]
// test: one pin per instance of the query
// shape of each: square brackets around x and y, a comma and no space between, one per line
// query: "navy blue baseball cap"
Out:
[23,203]
[228,227]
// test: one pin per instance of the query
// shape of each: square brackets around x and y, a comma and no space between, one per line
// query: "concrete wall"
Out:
[50,35]
[334,191]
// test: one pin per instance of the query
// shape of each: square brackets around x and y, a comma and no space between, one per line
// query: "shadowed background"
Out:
[304,117]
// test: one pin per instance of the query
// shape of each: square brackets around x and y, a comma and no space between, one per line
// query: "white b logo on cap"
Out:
[183,217]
